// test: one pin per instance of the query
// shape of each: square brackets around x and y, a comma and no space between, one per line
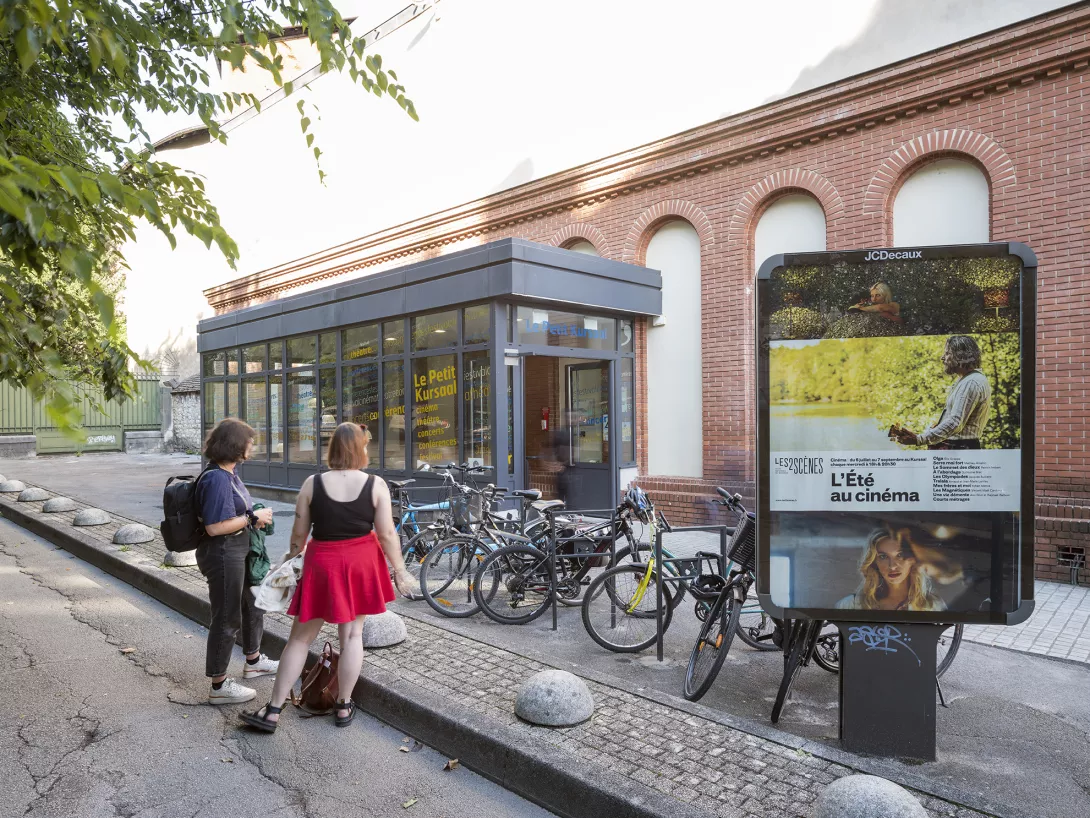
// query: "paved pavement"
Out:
[87,730]
[1016,732]
[1059,626]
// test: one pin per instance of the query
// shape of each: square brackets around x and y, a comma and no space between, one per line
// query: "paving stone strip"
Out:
[719,769]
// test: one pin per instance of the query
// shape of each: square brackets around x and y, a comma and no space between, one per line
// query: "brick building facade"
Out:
[1012,102]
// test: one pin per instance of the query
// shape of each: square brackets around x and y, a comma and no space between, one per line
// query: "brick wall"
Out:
[1012,101]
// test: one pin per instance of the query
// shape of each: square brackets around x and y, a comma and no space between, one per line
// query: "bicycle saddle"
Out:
[399,484]
[529,494]
[541,505]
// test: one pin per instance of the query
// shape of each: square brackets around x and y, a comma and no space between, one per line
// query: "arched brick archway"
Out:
[587,232]
[639,235]
[750,205]
[979,149]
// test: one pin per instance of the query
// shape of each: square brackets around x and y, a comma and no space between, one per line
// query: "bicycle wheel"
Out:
[710,650]
[447,573]
[619,609]
[415,549]
[948,649]
[803,636]
[755,627]
[512,584]
[827,649]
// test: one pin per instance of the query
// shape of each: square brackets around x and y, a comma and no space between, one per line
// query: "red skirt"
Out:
[342,579]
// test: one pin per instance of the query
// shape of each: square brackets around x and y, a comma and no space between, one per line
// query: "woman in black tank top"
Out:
[333,520]
[346,569]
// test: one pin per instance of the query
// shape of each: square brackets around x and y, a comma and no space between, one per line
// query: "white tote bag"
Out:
[275,591]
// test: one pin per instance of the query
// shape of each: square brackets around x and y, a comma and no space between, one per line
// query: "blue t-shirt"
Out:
[217,497]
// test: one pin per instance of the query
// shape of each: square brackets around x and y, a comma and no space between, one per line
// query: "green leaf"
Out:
[310,139]
[27,46]
[304,123]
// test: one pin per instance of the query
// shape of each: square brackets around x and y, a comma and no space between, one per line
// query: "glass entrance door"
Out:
[587,424]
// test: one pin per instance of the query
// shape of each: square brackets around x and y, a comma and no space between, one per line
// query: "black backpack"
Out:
[181,526]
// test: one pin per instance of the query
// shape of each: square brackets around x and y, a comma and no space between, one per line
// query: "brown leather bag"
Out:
[318,695]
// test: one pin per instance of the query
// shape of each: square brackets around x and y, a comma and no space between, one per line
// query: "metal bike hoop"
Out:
[723,540]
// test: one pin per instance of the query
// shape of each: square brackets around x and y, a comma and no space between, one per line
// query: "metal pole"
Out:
[612,565]
[658,594]
[552,566]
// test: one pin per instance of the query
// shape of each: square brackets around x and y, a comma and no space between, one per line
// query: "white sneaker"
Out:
[264,666]
[230,692]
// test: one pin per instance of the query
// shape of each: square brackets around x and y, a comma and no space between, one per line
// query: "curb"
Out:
[532,769]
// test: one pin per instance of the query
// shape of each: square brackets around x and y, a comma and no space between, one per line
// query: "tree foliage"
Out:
[898,380]
[78,168]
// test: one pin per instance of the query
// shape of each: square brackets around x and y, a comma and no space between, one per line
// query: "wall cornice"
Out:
[993,63]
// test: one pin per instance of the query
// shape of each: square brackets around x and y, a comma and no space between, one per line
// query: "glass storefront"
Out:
[425,385]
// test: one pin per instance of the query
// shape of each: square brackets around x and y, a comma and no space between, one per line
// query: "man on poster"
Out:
[968,402]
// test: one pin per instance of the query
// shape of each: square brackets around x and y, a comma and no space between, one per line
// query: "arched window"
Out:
[945,202]
[792,224]
[675,416]
[582,246]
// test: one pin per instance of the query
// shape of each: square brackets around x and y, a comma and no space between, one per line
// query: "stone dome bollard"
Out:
[554,698]
[32,494]
[383,630]
[3,479]
[866,796]
[132,534]
[180,559]
[58,504]
[12,486]
[91,516]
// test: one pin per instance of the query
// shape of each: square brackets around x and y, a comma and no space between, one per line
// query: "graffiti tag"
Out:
[885,638]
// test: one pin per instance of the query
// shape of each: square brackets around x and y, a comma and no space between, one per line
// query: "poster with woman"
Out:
[893,472]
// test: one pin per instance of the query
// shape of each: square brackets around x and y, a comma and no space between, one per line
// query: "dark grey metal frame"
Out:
[1023,567]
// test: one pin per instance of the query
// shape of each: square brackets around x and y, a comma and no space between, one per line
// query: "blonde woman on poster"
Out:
[882,303]
[894,578]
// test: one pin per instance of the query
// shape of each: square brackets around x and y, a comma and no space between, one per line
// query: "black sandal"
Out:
[262,722]
[350,706]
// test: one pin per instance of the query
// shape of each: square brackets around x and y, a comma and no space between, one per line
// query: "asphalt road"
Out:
[90,728]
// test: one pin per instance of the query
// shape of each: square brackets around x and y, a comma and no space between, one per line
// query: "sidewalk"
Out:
[649,751]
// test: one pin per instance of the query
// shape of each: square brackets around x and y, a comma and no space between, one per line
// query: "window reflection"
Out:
[435,410]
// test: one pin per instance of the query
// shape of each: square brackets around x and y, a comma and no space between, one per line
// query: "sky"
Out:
[507,93]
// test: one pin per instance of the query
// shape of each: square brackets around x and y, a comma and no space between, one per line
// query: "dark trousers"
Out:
[222,560]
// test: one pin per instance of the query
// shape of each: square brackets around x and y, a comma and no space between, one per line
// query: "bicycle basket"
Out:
[743,544]
[468,510]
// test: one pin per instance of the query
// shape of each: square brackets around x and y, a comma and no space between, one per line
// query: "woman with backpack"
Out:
[345,574]
[227,513]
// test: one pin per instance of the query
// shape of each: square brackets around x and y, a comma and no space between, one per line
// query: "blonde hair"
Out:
[874,588]
[884,290]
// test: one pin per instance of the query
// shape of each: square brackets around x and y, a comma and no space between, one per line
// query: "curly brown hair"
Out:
[228,440]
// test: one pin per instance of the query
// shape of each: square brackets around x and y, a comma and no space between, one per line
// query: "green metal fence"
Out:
[20,414]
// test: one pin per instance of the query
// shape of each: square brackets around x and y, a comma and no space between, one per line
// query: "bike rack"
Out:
[430,495]
[723,531]
[551,513]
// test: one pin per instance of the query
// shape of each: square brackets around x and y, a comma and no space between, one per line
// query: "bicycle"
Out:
[755,627]
[514,584]
[448,570]
[721,621]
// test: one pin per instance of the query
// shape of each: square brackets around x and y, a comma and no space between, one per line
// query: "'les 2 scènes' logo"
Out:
[892,255]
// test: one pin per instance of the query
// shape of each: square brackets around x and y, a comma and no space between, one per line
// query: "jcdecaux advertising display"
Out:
[895,434]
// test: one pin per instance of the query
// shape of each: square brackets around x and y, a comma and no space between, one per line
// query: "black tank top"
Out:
[334,520]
